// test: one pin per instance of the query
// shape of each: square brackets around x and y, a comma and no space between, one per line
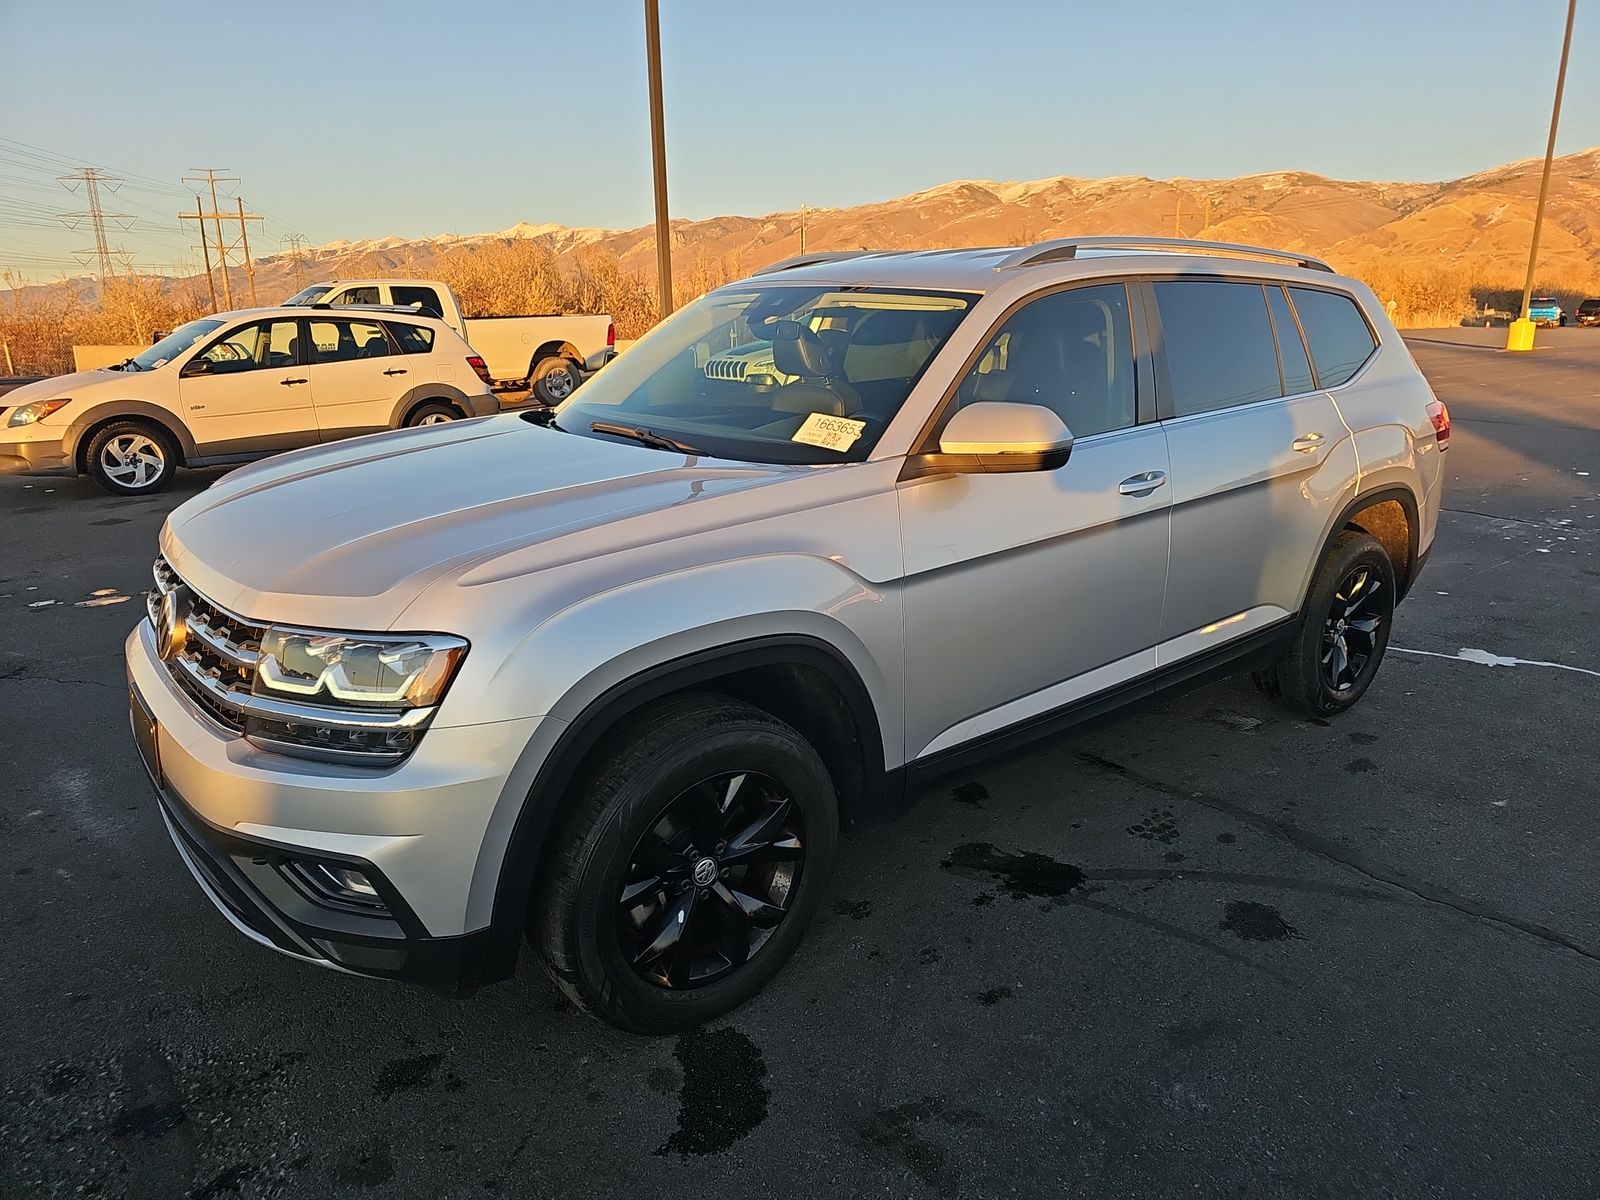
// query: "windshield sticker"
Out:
[831,433]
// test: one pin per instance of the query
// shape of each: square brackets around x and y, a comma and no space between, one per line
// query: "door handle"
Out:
[1306,443]
[292,382]
[395,371]
[1142,485]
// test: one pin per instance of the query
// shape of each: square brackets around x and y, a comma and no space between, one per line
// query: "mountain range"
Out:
[1479,224]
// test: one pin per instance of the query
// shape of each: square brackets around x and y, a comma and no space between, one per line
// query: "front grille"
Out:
[216,666]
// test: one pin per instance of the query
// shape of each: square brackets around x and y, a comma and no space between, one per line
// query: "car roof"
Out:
[385,312]
[980,269]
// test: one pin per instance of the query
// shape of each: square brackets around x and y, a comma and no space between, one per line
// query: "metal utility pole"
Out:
[213,177]
[1177,218]
[802,229]
[92,181]
[658,155]
[1521,335]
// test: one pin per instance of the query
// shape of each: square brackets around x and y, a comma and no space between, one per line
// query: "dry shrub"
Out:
[40,329]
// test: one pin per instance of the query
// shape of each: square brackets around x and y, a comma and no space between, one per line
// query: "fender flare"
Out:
[424,392]
[1407,500]
[111,410]
[518,869]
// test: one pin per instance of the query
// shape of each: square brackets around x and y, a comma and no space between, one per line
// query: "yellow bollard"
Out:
[1520,334]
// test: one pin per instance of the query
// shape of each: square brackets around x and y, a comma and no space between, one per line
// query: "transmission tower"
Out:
[214,176]
[296,243]
[93,180]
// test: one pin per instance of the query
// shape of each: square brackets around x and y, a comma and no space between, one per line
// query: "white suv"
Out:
[617,677]
[240,385]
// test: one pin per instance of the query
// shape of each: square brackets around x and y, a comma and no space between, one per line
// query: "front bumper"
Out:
[43,457]
[242,819]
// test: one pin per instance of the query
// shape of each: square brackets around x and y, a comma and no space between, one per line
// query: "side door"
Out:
[249,392]
[1260,457]
[1027,592]
[359,375]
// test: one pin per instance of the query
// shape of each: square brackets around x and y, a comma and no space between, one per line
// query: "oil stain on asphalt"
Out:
[1022,875]
[723,1095]
[1254,922]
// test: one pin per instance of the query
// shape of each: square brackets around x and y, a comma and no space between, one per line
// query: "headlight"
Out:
[357,670]
[348,697]
[29,414]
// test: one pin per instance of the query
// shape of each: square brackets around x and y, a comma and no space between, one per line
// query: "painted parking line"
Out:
[1484,658]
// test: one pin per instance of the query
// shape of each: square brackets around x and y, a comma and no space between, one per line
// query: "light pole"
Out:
[658,156]
[1520,336]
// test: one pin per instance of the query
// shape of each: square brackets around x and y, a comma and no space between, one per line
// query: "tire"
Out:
[552,380]
[132,458]
[435,412]
[1338,604]
[652,785]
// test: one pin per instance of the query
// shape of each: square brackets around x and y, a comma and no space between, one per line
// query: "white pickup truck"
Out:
[550,353]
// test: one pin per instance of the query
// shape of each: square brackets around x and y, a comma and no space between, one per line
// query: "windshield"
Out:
[308,295]
[174,344]
[776,374]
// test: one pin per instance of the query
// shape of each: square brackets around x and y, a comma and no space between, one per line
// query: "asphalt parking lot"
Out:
[1210,949]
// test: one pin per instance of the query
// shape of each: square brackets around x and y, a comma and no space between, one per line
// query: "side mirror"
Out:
[198,366]
[992,437]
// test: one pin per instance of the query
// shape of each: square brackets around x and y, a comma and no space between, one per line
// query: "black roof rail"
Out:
[1066,249]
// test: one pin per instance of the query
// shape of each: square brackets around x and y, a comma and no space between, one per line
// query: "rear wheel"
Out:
[686,875]
[552,380]
[132,458]
[435,412]
[1344,632]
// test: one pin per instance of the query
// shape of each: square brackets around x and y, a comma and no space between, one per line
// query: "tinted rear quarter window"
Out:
[1341,341]
[1217,343]
[413,339]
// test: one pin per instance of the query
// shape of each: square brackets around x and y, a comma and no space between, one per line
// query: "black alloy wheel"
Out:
[708,883]
[1350,632]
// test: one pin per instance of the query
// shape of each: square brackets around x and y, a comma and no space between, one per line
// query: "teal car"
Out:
[1546,310]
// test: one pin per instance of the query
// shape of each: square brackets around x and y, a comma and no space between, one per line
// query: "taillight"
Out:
[1440,416]
[479,367]
[611,336]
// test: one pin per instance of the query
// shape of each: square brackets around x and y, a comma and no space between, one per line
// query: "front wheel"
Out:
[686,874]
[1344,630]
[552,380]
[132,458]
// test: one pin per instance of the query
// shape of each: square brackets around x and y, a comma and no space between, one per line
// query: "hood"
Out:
[347,535]
[73,386]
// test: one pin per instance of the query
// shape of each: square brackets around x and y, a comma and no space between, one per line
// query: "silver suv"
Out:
[615,678]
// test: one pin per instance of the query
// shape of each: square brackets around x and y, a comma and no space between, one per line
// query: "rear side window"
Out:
[413,339]
[1291,349]
[1341,341]
[424,296]
[1217,343]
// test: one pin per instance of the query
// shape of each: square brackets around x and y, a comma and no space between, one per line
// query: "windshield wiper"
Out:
[646,437]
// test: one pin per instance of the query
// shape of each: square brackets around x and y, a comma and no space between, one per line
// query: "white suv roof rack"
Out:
[1064,249]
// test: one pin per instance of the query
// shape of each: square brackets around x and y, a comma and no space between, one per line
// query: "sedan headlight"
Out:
[348,697]
[29,414]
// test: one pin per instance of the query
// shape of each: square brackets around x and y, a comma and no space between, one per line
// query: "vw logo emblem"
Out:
[172,625]
[705,872]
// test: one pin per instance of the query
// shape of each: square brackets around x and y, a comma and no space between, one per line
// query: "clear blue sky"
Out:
[352,120]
